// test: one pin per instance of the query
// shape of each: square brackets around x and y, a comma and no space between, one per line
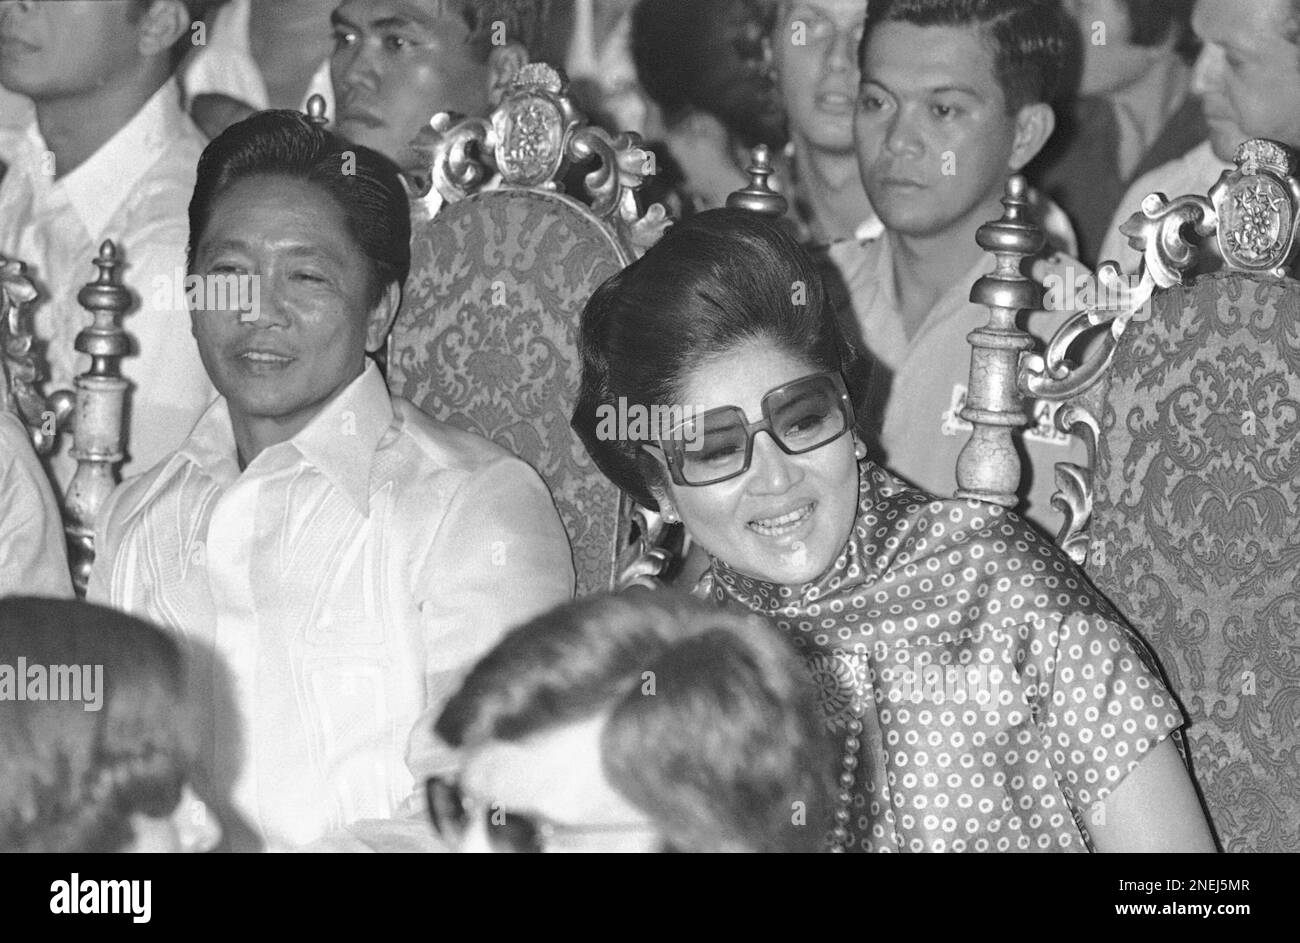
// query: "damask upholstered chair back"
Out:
[94,413]
[1195,533]
[487,337]
[1188,519]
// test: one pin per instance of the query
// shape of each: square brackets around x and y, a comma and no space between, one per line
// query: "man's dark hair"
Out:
[1154,21]
[719,752]
[707,55]
[366,185]
[1032,40]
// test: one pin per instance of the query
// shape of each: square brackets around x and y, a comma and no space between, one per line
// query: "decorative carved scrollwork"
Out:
[1073,497]
[1257,207]
[644,559]
[97,403]
[18,366]
[1253,213]
[529,140]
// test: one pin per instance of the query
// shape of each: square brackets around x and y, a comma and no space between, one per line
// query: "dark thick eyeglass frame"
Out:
[515,832]
[674,446]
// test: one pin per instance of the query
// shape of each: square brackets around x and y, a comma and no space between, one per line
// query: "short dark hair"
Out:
[1154,21]
[71,778]
[285,143]
[1032,41]
[684,63]
[712,283]
[731,740]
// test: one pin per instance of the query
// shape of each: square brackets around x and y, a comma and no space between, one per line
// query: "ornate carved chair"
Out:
[94,413]
[1189,518]
[487,336]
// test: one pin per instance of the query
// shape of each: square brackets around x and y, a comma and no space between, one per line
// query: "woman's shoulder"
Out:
[985,548]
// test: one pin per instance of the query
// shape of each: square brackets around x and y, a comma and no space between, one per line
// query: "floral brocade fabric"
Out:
[1001,700]
[487,341]
[1196,534]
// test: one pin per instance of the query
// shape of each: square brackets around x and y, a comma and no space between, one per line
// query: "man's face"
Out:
[816,51]
[58,49]
[933,134]
[1248,73]
[306,339]
[396,64]
[554,780]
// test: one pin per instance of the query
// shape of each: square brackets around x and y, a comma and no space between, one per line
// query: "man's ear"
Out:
[1034,126]
[504,63]
[161,26]
[382,316]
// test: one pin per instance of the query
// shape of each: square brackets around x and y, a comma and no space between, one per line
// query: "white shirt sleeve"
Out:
[499,558]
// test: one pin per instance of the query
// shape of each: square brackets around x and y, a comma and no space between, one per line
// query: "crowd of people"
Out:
[328,622]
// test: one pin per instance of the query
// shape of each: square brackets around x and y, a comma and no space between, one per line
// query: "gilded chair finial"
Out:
[316,111]
[98,439]
[759,197]
[988,467]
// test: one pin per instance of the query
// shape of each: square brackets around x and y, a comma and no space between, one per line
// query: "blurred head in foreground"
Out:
[645,721]
[97,742]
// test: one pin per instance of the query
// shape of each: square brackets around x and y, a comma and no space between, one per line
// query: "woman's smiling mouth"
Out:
[784,524]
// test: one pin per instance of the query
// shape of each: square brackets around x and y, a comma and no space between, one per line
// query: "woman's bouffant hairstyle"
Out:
[714,728]
[714,282]
[366,185]
[71,778]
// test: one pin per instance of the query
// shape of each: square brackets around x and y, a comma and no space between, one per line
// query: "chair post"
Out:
[759,197]
[98,434]
[988,468]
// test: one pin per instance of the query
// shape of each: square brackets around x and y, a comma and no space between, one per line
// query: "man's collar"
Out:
[98,187]
[340,442]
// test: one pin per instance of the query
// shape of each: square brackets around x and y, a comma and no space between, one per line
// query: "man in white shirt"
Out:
[1248,77]
[397,63]
[110,155]
[345,556]
[939,127]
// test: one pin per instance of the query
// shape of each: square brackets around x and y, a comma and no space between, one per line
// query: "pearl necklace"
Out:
[844,808]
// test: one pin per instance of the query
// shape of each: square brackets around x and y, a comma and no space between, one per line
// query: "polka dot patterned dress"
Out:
[986,698]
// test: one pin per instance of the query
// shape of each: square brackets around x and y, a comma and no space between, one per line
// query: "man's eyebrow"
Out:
[396,21]
[296,250]
[221,246]
[309,251]
[959,89]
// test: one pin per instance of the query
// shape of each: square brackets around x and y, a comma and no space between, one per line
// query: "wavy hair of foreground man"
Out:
[115,779]
[708,723]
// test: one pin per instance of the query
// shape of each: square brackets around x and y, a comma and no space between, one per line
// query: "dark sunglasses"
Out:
[800,416]
[507,831]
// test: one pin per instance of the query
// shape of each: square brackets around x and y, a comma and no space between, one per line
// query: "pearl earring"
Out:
[859,448]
